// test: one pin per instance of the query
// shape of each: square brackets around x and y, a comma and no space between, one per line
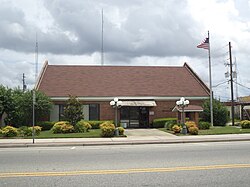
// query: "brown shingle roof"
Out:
[101,81]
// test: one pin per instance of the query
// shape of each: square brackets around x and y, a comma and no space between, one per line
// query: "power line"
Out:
[241,85]
[220,84]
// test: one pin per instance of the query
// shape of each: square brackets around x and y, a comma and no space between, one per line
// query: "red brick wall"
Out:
[162,110]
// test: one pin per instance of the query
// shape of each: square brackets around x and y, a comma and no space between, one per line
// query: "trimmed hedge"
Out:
[160,122]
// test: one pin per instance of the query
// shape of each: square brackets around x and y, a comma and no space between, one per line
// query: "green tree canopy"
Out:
[73,111]
[19,106]
[6,102]
[220,113]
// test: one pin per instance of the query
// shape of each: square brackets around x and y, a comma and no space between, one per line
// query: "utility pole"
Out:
[24,85]
[231,80]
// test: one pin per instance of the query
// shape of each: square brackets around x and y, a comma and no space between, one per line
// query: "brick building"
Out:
[147,92]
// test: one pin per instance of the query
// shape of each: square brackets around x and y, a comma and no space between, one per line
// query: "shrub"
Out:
[220,113]
[176,129]
[245,124]
[79,127]
[96,124]
[190,124]
[121,130]
[46,125]
[160,122]
[73,111]
[62,127]
[107,129]
[82,126]
[27,131]
[9,131]
[193,130]
[87,126]
[204,125]
[169,124]
[23,131]
[37,130]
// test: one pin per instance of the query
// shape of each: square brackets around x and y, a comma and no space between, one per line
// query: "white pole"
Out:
[210,84]
[34,91]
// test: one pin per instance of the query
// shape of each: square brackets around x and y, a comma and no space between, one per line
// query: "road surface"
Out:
[194,164]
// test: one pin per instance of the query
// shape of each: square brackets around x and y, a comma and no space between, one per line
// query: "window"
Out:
[61,112]
[94,111]
[125,113]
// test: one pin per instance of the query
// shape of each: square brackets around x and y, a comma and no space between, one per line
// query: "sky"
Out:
[135,33]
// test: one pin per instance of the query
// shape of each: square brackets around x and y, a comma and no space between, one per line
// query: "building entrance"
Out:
[135,117]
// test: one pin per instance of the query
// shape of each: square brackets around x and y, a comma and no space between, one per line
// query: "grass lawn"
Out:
[217,130]
[93,133]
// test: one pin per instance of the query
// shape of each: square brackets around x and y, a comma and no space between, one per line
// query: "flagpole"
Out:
[210,84]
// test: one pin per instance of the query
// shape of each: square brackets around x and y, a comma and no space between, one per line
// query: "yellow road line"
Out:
[122,171]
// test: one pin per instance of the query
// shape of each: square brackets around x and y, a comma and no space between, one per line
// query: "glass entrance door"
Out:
[143,117]
[135,116]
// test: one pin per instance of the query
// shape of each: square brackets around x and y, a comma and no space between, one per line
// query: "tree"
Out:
[6,102]
[220,113]
[73,111]
[21,113]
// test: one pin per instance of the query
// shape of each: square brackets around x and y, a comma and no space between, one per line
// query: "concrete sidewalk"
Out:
[138,136]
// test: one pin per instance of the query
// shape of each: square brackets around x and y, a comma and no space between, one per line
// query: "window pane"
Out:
[61,112]
[134,113]
[125,113]
[94,112]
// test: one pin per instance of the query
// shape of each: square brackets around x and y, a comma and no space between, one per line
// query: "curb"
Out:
[22,145]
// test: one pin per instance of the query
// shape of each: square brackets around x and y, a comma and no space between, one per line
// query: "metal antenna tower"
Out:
[102,53]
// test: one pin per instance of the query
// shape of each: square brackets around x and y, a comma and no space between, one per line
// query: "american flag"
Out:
[204,44]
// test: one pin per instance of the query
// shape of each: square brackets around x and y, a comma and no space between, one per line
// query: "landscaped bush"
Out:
[220,113]
[121,130]
[169,124]
[96,124]
[107,129]
[245,124]
[9,131]
[46,125]
[204,125]
[27,131]
[160,122]
[193,130]
[176,129]
[62,127]
[79,127]
[82,126]
[190,124]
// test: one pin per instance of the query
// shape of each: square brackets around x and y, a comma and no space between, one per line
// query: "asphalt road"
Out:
[197,164]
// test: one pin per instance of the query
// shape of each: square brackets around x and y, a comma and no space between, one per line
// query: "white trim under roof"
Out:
[138,103]
[108,98]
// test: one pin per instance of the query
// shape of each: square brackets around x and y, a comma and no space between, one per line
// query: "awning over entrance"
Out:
[138,103]
[189,108]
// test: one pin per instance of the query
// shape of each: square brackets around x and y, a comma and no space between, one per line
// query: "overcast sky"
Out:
[136,32]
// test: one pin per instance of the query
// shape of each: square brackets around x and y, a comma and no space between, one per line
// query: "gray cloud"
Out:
[143,32]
